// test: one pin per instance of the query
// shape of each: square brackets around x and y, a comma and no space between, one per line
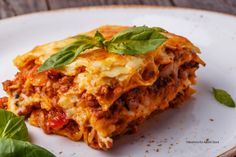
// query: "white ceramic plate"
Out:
[168,133]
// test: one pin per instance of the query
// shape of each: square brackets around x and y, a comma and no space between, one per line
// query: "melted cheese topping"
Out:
[103,69]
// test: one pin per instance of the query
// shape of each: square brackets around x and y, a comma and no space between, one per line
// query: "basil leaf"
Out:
[65,56]
[99,38]
[12,126]
[136,40]
[14,138]
[159,29]
[133,41]
[223,97]
[69,53]
[16,148]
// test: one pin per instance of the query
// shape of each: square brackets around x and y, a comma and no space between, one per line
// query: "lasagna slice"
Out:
[101,95]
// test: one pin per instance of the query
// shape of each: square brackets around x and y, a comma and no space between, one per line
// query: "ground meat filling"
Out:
[3,102]
[134,101]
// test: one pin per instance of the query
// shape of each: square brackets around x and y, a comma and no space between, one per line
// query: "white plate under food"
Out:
[202,127]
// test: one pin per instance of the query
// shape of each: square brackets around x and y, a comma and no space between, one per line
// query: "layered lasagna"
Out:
[101,95]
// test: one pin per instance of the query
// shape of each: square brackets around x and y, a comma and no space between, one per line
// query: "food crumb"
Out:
[148,145]
[159,145]
[211,119]
[157,150]
[60,152]
[146,151]
[171,144]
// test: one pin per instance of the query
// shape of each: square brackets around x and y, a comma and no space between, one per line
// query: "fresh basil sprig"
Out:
[16,148]
[14,138]
[223,97]
[68,54]
[133,41]
[136,40]
[12,126]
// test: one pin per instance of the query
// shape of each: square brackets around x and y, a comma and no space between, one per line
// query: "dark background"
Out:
[10,8]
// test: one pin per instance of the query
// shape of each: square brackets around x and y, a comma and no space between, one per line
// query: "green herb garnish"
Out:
[223,97]
[12,126]
[14,138]
[68,54]
[133,41]
[16,148]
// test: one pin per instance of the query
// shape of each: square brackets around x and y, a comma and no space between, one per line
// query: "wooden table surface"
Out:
[9,8]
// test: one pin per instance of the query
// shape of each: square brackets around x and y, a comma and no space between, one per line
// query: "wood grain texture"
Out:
[10,8]
[229,153]
[226,6]
[6,10]
[19,7]
[75,3]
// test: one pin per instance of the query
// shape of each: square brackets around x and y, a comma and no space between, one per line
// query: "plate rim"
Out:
[228,152]
[129,6]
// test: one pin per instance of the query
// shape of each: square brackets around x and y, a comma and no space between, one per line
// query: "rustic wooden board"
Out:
[10,8]
[76,3]
[17,7]
[26,6]
[5,10]
[226,6]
